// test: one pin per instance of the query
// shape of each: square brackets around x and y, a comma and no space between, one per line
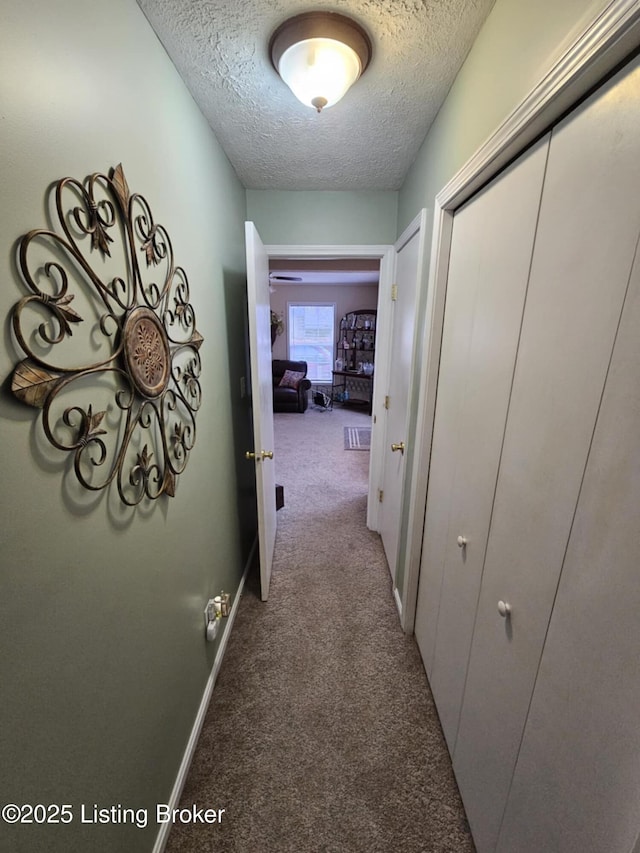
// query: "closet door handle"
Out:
[504,609]
[462,541]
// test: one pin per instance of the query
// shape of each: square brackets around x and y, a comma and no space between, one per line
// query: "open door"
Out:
[410,259]
[262,399]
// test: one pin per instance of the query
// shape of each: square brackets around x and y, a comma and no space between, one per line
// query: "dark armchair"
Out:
[293,396]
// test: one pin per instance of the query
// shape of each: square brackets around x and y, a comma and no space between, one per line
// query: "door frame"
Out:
[416,228]
[386,255]
[595,52]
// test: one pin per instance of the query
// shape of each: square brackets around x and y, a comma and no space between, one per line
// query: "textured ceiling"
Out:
[366,141]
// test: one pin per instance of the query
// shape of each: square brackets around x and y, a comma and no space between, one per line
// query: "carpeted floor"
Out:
[321,735]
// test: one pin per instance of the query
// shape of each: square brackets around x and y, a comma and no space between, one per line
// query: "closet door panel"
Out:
[589,221]
[488,271]
[453,361]
[577,781]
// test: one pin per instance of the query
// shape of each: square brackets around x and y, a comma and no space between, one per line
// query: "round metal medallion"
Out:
[146,350]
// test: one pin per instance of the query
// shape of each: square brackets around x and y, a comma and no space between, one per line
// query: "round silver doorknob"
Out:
[504,609]
[462,541]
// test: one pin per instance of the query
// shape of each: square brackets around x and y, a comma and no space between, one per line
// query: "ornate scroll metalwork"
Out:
[128,417]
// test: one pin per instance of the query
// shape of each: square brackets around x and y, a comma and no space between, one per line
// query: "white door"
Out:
[585,243]
[262,399]
[409,271]
[578,769]
[486,292]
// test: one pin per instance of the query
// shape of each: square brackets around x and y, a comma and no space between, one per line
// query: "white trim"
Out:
[386,255]
[384,328]
[187,758]
[434,320]
[396,598]
[601,46]
[417,226]
[412,228]
[322,251]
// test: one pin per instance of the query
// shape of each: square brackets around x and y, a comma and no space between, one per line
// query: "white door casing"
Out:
[262,399]
[409,267]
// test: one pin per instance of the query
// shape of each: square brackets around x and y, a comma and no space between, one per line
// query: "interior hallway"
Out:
[321,734]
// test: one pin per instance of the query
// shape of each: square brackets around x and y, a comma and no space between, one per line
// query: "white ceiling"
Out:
[366,141]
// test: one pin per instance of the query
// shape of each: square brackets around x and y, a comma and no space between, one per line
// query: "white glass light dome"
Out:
[319,71]
[320,55]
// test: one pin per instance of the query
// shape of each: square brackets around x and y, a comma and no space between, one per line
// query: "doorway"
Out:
[401,279]
[319,307]
[398,282]
[369,270]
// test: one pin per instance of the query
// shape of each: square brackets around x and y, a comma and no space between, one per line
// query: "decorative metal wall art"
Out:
[128,417]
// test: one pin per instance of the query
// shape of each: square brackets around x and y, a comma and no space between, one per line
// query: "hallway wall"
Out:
[331,217]
[515,48]
[103,661]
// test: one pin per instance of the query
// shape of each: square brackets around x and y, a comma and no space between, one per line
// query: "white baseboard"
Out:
[185,764]
[398,601]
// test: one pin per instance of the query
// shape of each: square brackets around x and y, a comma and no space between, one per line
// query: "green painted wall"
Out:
[312,216]
[103,661]
[515,48]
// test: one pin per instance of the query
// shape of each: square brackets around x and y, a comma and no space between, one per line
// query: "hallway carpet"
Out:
[321,735]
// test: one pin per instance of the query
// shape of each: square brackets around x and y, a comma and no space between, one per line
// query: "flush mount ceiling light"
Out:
[320,55]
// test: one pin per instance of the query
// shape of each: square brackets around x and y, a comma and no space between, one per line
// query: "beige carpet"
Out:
[322,735]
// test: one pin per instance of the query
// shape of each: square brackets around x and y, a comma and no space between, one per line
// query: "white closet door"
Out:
[589,221]
[488,271]
[576,787]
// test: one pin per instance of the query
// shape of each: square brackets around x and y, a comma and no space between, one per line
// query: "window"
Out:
[311,338]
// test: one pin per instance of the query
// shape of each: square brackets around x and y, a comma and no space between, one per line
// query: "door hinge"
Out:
[386,402]
[394,292]
[380,495]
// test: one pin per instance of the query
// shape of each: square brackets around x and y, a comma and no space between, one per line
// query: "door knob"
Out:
[504,609]
[399,447]
[267,454]
[249,455]
[462,541]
